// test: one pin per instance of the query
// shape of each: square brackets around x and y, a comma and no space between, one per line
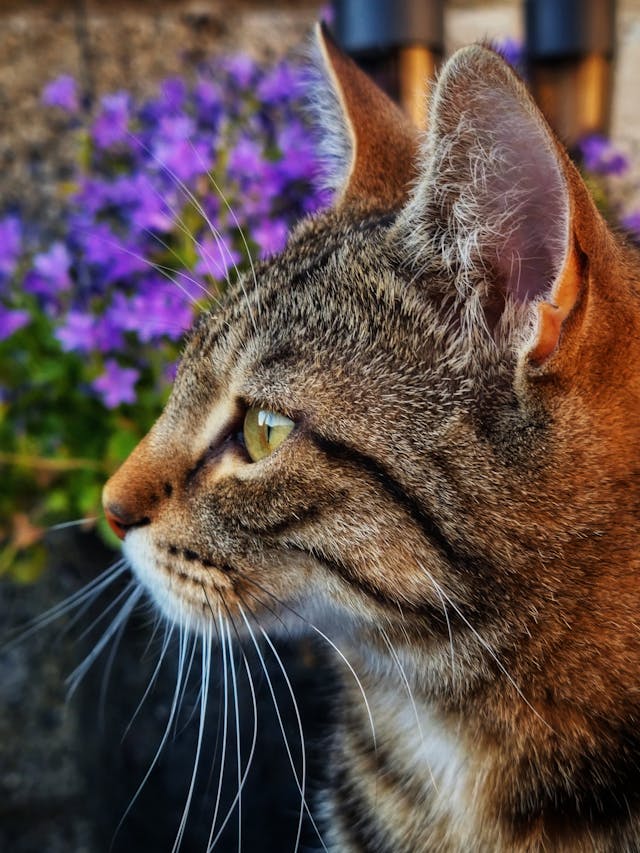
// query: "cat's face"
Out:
[383,424]
[334,337]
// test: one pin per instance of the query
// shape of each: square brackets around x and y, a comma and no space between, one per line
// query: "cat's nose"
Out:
[119,521]
[135,494]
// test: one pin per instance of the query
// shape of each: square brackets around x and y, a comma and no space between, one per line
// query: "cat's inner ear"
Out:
[370,147]
[493,201]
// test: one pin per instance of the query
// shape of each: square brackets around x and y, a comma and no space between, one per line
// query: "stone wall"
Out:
[110,45]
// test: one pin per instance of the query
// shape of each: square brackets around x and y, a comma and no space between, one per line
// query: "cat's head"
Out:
[417,414]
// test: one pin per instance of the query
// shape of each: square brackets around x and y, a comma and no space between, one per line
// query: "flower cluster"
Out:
[171,197]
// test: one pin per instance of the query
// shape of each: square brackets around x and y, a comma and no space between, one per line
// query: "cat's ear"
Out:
[370,146]
[496,201]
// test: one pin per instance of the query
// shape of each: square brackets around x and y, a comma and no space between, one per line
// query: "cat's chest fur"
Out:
[404,780]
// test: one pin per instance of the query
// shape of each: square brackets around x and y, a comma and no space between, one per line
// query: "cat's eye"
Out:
[264,432]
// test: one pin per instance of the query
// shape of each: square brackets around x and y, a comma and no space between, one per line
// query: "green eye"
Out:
[264,432]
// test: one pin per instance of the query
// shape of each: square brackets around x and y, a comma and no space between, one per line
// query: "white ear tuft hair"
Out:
[493,201]
[369,144]
[334,141]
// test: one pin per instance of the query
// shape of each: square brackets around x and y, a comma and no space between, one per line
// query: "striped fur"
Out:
[458,502]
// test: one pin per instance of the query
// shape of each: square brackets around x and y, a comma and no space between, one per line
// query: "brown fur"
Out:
[460,496]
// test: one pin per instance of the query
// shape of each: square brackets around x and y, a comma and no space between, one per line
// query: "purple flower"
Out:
[184,160]
[320,199]
[512,50]
[271,236]
[52,268]
[111,127]
[121,313]
[602,157]
[11,320]
[241,68]
[116,384]
[632,223]
[173,93]
[216,257]
[115,257]
[178,153]
[77,332]
[208,98]
[63,93]
[246,159]
[175,128]
[160,309]
[299,160]
[151,210]
[280,84]
[170,372]
[327,14]
[49,274]
[10,245]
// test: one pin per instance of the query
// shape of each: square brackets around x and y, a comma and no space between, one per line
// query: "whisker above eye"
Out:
[199,207]
[242,235]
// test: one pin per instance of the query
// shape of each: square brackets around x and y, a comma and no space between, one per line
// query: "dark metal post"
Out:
[570,50]
[398,42]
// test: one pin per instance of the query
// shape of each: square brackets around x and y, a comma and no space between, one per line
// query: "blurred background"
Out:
[148,151]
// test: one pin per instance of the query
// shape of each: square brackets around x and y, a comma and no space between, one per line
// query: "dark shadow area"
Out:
[69,770]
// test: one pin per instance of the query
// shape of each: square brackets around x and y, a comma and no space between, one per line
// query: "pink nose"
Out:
[116,522]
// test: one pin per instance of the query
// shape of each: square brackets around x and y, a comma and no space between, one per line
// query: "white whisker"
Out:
[216,809]
[154,675]
[162,270]
[355,676]
[66,524]
[90,591]
[299,785]
[245,774]
[486,645]
[214,231]
[165,736]
[446,616]
[80,671]
[407,687]
[106,675]
[204,695]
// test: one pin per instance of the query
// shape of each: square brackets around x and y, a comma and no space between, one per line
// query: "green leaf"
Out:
[26,566]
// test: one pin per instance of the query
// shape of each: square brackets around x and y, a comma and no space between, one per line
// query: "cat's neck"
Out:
[498,770]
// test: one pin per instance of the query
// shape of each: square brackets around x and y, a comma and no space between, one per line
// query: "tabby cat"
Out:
[419,429]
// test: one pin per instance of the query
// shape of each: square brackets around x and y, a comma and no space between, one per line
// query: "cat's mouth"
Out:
[190,589]
[186,586]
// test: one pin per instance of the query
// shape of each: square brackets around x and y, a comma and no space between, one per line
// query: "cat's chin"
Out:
[144,564]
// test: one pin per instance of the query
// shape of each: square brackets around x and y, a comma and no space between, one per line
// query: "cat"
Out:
[418,428]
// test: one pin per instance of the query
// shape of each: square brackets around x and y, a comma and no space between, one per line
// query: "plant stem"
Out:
[51,464]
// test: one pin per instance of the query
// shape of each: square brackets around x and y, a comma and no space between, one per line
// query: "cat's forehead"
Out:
[334,278]
[336,317]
